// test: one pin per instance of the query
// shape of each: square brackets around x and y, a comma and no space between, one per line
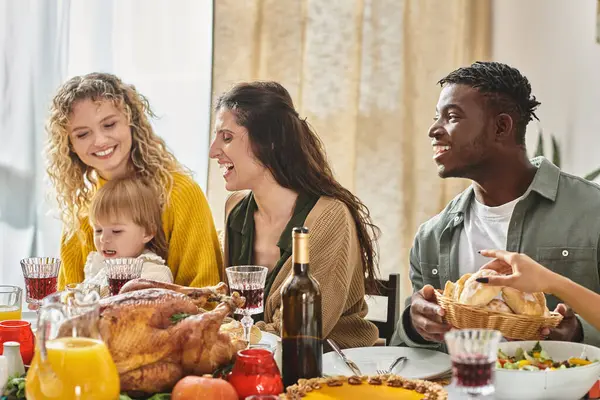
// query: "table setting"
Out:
[480,363]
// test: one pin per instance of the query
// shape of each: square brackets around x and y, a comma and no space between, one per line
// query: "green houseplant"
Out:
[539,151]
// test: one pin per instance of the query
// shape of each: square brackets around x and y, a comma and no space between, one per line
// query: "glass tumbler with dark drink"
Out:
[41,275]
[119,271]
[249,282]
[473,354]
[301,325]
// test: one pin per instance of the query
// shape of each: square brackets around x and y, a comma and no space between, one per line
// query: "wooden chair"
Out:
[391,290]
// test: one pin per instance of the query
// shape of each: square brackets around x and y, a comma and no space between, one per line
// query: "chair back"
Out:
[390,290]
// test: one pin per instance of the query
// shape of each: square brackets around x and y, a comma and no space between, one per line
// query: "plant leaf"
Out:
[175,318]
[223,371]
[160,396]
[555,152]
[539,151]
[592,175]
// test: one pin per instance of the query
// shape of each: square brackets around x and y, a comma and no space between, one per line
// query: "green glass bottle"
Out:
[301,325]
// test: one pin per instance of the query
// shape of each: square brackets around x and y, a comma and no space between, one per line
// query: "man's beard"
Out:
[477,151]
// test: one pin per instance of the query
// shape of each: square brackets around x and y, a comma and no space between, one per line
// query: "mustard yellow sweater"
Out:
[194,251]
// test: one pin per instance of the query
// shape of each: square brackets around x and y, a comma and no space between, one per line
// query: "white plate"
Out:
[421,363]
[272,343]
[269,341]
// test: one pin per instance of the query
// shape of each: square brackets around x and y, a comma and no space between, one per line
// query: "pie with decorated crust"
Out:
[365,387]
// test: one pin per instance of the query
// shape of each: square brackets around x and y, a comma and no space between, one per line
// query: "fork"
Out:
[391,367]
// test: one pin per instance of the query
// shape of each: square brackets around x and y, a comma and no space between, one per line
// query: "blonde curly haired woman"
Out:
[99,130]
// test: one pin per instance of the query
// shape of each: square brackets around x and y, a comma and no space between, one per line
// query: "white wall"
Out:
[553,42]
[164,48]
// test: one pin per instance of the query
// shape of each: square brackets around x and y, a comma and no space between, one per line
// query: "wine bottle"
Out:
[301,325]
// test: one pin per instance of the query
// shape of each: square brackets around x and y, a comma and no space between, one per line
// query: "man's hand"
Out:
[427,316]
[569,329]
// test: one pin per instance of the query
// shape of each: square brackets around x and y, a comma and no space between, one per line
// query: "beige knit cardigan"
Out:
[335,262]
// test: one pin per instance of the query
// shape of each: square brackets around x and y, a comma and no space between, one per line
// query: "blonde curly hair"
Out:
[75,182]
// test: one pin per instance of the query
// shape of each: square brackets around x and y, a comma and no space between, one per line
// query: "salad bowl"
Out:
[546,370]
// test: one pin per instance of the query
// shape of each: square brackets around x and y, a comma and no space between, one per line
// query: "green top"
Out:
[240,234]
[556,223]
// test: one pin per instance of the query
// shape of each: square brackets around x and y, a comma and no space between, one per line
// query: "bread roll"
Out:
[546,312]
[236,331]
[478,294]
[499,306]
[458,288]
[533,304]
[449,289]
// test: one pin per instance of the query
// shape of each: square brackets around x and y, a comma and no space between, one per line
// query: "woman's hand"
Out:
[520,272]
[526,275]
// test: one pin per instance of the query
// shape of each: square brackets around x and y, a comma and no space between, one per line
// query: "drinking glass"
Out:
[255,373]
[18,331]
[41,275]
[473,353]
[71,361]
[249,282]
[119,271]
[11,298]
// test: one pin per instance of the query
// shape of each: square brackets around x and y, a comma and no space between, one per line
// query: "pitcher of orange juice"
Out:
[71,361]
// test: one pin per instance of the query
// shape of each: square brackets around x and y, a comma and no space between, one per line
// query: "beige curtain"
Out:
[364,73]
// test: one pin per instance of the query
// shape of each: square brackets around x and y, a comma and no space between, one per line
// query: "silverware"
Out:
[391,367]
[443,375]
[353,367]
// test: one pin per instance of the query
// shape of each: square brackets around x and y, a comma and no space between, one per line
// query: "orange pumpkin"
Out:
[196,387]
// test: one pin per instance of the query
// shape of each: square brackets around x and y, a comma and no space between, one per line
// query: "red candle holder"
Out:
[255,372]
[18,331]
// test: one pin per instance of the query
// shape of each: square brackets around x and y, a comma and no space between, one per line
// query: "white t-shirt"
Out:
[484,228]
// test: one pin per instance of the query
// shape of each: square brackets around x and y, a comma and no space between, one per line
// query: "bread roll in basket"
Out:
[236,331]
[517,315]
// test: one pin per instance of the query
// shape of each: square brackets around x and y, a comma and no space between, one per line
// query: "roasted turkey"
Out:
[157,333]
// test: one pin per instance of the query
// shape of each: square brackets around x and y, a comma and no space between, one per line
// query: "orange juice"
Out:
[76,369]
[10,312]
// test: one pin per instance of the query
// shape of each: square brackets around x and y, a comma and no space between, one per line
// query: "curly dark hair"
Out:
[506,90]
[292,151]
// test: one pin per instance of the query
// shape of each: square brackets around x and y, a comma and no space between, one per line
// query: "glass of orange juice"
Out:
[71,361]
[11,298]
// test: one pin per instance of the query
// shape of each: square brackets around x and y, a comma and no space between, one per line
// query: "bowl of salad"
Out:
[545,370]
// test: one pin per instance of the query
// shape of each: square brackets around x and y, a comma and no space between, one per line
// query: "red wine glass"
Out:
[249,282]
[119,271]
[473,354]
[41,276]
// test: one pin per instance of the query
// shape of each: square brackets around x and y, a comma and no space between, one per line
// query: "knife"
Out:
[353,367]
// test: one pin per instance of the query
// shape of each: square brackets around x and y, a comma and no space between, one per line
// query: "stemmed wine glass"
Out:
[41,275]
[473,353]
[249,282]
[119,271]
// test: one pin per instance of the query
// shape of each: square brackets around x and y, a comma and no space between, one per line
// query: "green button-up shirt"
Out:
[557,223]
[240,231]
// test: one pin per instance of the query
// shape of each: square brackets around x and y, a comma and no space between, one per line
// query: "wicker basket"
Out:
[513,326]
